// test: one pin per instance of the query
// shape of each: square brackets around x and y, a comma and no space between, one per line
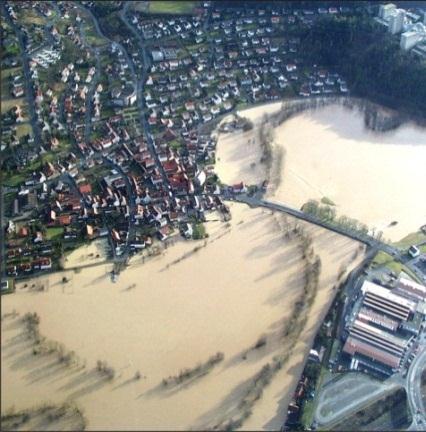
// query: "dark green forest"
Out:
[371,61]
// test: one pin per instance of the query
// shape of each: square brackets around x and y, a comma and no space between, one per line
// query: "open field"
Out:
[171,312]
[95,251]
[375,178]
[172,7]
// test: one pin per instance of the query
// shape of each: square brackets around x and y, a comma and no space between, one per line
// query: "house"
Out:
[413,251]
[85,188]
[239,188]
[187,231]
[164,233]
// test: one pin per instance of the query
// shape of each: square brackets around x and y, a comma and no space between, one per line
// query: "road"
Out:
[414,388]
[140,99]
[366,239]
[29,93]
[132,209]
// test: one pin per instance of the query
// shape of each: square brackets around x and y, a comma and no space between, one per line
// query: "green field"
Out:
[172,7]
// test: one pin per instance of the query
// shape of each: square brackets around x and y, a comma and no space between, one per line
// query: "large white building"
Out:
[396,22]
[400,21]
[409,39]
[384,301]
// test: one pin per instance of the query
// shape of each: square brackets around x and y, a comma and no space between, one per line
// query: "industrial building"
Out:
[387,320]
[354,346]
[378,338]
[369,316]
[384,301]
[410,290]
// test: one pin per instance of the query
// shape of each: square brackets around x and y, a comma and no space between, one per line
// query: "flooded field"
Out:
[374,177]
[172,312]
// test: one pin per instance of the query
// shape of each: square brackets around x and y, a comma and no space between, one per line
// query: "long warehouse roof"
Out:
[386,294]
[353,346]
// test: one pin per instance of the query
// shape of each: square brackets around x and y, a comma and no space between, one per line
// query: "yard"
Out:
[7,104]
[382,259]
[23,129]
[53,233]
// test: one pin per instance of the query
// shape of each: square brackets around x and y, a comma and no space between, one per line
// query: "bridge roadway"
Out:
[366,239]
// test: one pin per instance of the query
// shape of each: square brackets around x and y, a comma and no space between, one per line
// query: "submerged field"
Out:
[171,312]
[373,177]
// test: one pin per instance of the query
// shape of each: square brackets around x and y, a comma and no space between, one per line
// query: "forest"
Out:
[371,61]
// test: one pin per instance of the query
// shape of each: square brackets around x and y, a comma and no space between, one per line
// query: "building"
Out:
[353,346]
[157,55]
[371,317]
[386,302]
[378,338]
[396,22]
[413,251]
[410,289]
[409,39]
[385,11]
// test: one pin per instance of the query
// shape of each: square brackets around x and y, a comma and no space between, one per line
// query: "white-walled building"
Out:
[396,22]
[409,39]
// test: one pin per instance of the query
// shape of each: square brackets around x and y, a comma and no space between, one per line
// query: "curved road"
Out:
[413,386]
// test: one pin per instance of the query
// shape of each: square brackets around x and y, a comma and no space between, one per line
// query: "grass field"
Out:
[53,233]
[411,239]
[32,17]
[172,7]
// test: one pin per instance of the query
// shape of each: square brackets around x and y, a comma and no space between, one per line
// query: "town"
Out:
[96,154]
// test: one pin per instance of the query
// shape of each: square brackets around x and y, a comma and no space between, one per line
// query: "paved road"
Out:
[368,240]
[29,93]
[414,389]
[132,208]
